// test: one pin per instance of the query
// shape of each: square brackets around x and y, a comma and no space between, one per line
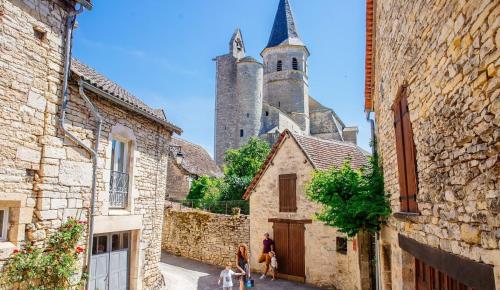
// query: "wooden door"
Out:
[429,278]
[281,246]
[296,250]
[290,249]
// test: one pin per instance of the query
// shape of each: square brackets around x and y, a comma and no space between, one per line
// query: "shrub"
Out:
[51,268]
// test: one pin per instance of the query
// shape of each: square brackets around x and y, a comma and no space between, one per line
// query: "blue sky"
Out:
[162,51]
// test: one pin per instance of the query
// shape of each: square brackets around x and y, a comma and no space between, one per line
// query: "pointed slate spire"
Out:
[284,29]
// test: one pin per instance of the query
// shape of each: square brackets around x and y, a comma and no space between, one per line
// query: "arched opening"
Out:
[279,65]
[295,64]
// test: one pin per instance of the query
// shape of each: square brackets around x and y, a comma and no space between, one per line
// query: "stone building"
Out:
[264,99]
[46,175]
[196,162]
[432,83]
[307,249]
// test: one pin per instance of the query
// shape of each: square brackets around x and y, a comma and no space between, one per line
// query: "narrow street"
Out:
[185,274]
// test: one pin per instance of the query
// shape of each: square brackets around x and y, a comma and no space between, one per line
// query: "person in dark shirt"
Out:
[267,246]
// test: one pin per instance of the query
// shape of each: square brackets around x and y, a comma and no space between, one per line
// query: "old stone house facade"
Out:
[307,249]
[46,177]
[432,83]
[196,162]
[264,99]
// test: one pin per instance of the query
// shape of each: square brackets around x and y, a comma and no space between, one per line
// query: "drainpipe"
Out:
[377,234]
[70,24]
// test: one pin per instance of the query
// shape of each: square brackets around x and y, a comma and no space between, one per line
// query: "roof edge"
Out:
[270,158]
[87,85]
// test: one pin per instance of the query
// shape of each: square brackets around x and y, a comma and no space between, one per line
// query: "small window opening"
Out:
[241,133]
[248,115]
[295,64]
[279,104]
[39,33]
[341,245]
[279,66]
[267,113]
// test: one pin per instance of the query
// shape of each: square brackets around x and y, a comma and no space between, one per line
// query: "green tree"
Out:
[353,200]
[247,160]
[202,186]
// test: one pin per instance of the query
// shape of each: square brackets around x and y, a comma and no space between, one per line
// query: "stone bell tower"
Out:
[285,68]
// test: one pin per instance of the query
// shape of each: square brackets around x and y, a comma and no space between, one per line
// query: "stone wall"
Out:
[207,237]
[30,78]
[324,266]
[46,178]
[448,53]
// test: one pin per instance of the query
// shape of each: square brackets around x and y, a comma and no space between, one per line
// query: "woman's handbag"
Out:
[250,283]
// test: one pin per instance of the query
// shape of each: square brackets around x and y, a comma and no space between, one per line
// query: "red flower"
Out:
[15,251]
[79,250]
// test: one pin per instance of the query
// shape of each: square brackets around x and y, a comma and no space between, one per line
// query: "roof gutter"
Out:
[70,24]
[113,99]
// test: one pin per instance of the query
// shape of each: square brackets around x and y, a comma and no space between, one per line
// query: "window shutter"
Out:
[410,160]
[398,126]
[287,193]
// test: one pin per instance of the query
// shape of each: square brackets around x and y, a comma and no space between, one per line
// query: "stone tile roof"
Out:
[323,155]
[86,3]
[197,161]
[284,28]
[119,94]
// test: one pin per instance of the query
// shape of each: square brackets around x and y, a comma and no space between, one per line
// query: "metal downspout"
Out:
[377,234]
[70,24]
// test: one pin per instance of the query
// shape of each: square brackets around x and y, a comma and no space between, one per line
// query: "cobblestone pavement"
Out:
[184,274]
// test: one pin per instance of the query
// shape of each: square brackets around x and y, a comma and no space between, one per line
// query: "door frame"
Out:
[109,247]
[301,279]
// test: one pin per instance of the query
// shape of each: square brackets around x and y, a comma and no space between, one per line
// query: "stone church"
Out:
[263,99]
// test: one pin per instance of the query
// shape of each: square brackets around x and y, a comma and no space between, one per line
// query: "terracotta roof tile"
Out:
[323,155]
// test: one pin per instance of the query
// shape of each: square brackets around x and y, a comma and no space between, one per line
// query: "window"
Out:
[248,115]
[279,65]
[341,245]
[242,133]
[287,192]
[405,151]
[119,175]
[295,64]
[267,113]
[4,223]
[39,33]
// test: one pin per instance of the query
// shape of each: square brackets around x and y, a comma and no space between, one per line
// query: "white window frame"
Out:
[126,159]
[5,225]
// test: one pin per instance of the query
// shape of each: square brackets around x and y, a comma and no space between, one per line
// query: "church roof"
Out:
[284,29]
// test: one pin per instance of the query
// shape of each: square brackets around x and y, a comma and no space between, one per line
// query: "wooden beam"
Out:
[287,221]
[478,276]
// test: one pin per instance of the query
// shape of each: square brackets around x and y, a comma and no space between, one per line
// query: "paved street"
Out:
[185,274]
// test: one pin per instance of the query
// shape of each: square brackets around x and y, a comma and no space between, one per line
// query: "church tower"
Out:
[238,106]
[285,69]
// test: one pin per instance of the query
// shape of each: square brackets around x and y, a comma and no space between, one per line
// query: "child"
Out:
[274,264]
[226,277]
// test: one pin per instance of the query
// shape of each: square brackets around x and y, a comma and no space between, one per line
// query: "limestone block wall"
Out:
[324,266]
[450,60]
[30,77]
[207,237]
